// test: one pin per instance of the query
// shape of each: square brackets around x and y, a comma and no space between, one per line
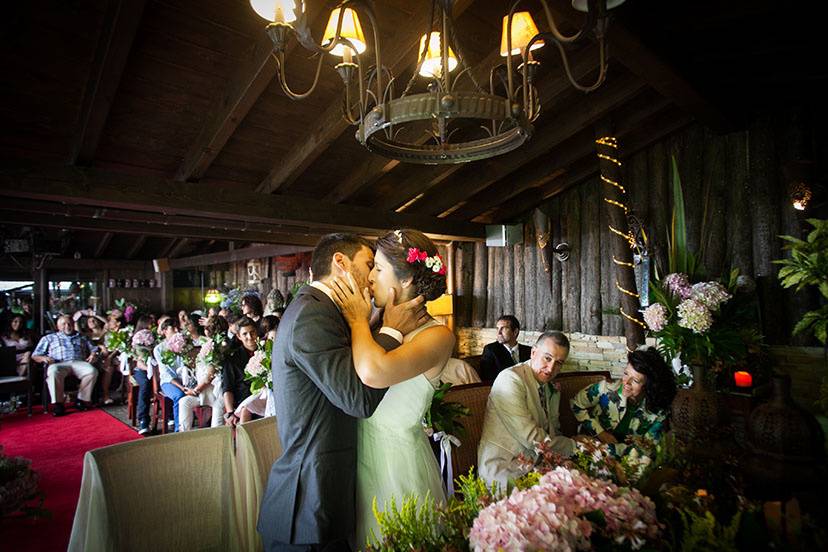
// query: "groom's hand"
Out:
[405,317]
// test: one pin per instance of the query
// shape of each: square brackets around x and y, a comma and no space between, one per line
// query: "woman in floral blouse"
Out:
[638,404]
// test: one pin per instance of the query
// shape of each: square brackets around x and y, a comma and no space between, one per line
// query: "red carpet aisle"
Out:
[56,447]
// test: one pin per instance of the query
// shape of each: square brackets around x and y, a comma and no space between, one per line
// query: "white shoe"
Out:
[143,431]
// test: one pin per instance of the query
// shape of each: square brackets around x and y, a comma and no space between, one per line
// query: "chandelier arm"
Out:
[280,70]
[377,52]
[602,73]
[460,57]
[422,55]
[592,10]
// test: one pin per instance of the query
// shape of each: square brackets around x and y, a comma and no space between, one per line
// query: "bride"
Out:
[394,458]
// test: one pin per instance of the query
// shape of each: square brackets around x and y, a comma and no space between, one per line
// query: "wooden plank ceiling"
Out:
[139,129]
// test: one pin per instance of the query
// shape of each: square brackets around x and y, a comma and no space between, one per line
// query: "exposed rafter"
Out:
[103,244]
[136,246]
[247,253]
[121,22]
[106,189]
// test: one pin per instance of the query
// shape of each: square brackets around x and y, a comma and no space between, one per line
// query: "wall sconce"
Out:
[799,176]
[801,195]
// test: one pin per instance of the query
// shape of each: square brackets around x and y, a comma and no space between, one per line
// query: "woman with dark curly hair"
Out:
[394,458]
[637,404]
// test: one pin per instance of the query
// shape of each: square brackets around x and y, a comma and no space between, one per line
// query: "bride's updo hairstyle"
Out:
[401,247]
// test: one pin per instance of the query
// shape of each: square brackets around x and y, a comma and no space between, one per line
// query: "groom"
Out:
[310,496]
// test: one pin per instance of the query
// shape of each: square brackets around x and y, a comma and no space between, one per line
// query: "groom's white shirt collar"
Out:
[324,288]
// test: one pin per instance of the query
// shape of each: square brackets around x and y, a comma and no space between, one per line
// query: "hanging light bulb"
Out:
[523,29]
[351,30]
[432,66]
[276,11]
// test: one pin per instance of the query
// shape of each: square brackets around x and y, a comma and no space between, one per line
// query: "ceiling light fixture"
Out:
[505,112]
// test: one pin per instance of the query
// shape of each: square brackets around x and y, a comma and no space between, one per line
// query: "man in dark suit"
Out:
[504,352]
[310,497]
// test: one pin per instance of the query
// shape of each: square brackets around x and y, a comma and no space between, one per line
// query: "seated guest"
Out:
[170,375]
[234,388]
[208,366]
[67,352]
[504,352]
[252,307]
[268,326]
[142,372]
[638,404]
[16,335]
[523,409]
[111,359]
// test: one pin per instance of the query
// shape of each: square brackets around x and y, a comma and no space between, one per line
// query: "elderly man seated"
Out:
[67,352]
[523,409]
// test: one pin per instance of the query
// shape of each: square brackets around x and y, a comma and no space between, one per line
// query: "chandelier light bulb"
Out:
[275,11]
[523,30]
[351,30]
[432,66]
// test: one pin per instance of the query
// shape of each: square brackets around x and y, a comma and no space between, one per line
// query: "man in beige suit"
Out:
[523,410]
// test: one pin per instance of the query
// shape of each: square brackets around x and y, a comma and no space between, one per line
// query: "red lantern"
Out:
[743,379]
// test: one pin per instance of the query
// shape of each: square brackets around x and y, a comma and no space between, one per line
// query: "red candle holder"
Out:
[743,379]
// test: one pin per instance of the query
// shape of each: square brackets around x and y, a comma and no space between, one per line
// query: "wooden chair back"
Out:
[473,396]
[571,383]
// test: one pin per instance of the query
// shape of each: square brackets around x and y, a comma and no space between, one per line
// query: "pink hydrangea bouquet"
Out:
[177,345]
[143,342]
[566,510]
[213,350]
[698,321]
[257,371]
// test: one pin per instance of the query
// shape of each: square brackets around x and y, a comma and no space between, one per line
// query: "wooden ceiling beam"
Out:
[550,88]
[572,119]
[98,188]
[150,229]
[103,244]
[165,251]
[121,22]
[179,247]
[244,254]
[554,164]
[654,129]
[136,246]
[330,125]
[242,92]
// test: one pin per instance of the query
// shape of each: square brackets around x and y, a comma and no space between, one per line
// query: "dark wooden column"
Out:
[615,196]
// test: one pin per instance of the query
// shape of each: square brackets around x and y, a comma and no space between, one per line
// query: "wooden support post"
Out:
[615,196]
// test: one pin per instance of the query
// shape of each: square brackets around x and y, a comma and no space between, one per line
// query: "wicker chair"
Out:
[571,383]
[473,396]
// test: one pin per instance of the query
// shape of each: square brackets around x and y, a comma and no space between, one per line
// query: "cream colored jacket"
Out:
[514,422]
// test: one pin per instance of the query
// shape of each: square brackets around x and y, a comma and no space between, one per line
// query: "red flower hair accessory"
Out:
[435,262]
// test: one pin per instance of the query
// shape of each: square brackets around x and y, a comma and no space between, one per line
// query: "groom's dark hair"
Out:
[347,244]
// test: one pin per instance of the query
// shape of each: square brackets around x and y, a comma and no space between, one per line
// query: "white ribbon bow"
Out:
[446,441]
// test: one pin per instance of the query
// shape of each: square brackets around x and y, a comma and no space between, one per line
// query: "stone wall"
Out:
[807,367]
[587,352]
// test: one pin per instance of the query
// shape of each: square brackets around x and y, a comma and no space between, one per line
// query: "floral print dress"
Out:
[603,407]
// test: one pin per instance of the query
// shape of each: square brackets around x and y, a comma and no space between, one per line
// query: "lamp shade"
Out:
[277,11]
[212,297]
[523,29]
[351,29]
[432,65]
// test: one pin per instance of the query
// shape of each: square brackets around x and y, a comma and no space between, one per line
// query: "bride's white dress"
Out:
[394,458]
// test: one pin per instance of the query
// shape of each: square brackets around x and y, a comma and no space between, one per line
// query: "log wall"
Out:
[736,202]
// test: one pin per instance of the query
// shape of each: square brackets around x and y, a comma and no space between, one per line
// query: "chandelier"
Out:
[484,123]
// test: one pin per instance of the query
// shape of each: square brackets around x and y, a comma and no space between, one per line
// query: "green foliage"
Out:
[430,526]
[808,266]
[444,415]
[701,532]
[679,257]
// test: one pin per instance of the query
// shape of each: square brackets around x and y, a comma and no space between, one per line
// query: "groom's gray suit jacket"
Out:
[310,493]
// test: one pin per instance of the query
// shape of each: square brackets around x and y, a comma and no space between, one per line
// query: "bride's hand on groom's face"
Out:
[405,317]
[355,304]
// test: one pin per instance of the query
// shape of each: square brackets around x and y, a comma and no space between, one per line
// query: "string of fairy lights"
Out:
[612,143]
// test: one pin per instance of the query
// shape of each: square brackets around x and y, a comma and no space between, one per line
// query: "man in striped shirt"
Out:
[67,352]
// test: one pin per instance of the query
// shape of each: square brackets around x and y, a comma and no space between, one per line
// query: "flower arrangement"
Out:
[213,350]
[18,485]
[127,308]
[694,321]
[143,341]
[231,299]
[119,340]
[257,371]
[177,345]
[434,262]
[565,511]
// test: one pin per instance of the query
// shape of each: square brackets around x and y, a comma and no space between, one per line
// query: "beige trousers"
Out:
[85,372]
